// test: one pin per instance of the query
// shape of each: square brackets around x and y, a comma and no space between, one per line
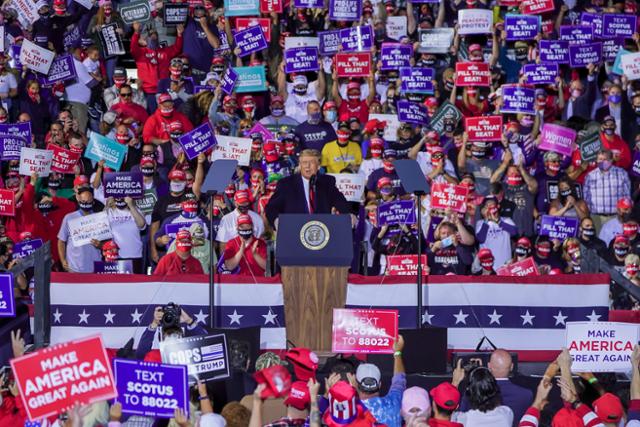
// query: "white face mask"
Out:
[177,187]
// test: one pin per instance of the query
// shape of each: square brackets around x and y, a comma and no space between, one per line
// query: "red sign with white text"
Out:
[265,24]
[268,6]
[353,64]
[364,331]
[473,74]
[526,267]
[445,196]
[54,379]
[7,203]
[405,265]
[535,7]
[63,160]
[486,128]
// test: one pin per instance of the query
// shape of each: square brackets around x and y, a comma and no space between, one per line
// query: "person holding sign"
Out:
[156,129]
[78,259]
[126,223]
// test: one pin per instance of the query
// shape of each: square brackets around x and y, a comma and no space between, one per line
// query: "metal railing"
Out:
[593,263]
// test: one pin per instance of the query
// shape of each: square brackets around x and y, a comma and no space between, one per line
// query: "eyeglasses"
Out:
[126,94]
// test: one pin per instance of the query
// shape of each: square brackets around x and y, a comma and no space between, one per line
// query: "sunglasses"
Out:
[126,94]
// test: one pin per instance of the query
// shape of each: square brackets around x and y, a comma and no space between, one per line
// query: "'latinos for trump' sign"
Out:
[601,346]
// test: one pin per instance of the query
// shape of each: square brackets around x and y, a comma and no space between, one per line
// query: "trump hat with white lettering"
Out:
[177,175]
[299,396]
[304,361]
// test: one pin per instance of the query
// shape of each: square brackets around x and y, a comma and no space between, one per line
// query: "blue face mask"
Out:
[331,116]
[615,99]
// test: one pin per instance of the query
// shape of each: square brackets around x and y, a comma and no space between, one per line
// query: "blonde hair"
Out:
[309,152]
[632,259]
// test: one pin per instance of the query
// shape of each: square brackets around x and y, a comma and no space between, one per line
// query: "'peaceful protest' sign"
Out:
[475,21]
[198,140]
[151,389]
[601,346]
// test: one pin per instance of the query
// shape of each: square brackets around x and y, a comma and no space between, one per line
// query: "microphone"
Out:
[312,182]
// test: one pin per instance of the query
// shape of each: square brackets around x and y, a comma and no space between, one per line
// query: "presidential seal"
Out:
[314,235]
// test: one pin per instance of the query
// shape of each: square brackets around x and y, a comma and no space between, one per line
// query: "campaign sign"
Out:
[345,10]
[329,42]
[54,379]
[11,146]
[356,64]
[351,185]
[103,148]
[62,69]
[405,265]
[473,74]
[526,267]
[518,99]
[303,4]
[554,51]
[151,389]
[301,59]
[356,39]
[228,81]
[558,227]
[264,23]
[395,55]
[535,7]
[521,27]
[393,124]
[123,184]
[198,140]
[618,25]
[416,80]
[84,229]
[33,160]
[601,346]
[63,160]
[241,7]
[250,40]
[445,111]
[540,74]
[36,58]
[231,147]
[435,40]
[251,79]
[396,27]
[25,248]
[358,330]
[585,54]
[7,302]
[395,213]
[123,266]
[262,130]
[139,11]
[445,196]
[578,34]
[111,40]
[475,21]
[268,6]
[206,357]
[594,20]
[7,203]
[630,65]
[558,139]
[611,47]
[26,11]
[635,165]
[17,129]
[590,144]
[412,112]
[484,128]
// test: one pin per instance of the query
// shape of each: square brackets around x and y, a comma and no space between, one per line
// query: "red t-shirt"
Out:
[248,264]
[173,264]
[360,110]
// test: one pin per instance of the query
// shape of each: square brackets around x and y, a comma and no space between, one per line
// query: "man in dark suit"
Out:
[306,192]
[514,396]
[620,109]
[581,99]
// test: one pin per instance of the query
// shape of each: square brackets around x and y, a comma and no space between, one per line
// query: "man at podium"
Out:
[306,192]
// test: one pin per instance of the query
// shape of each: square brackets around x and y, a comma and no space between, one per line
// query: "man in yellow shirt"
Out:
[342,153]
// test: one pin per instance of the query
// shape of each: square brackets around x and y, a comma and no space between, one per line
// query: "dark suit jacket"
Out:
[627,119]
[515,397]
[289,197]
[582,105]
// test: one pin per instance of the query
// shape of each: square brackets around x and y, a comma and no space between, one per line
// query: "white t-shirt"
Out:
[424,160]
[90,65]
[7,82]
[498,240]
[126,233]
[610,230]
[228,228]
[502,416]
[369,165]
[296,105]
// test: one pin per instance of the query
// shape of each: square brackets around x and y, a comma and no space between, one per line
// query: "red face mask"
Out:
[111,256]
[487,263]
[290,148]
[122,138]
[33,94]
[632,269]
[553,167]
[629,229]
[175,73]
[493,210]
[543,251]
[388,166]
[118,82]
[514,180]
[376,151]
[373,218]
[343,137]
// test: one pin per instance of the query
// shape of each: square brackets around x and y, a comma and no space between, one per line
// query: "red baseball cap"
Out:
[624,203]
[299,396]
[165,97]
[485,253]
[25,235]
[384,181]
[177,175]
[329,105]
[524,241]
[608,408]
[621,238]
[183,235]
[371,126]
[244,219]
[80,180]
[304,361]
[277,380]
[241,196]
[446,396]
[431,101]
[353,85]
[109,245]
[147,161]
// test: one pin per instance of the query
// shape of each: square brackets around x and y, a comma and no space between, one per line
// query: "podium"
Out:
[315,253]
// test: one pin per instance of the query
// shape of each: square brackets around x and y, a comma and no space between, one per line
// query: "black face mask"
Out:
[356,136]
[54,183]
[588,232]
[243,209]
[245,234]
[521,55]
[86,206]
[45,207]
[565,193]
[521,251]
[121,204]
[429,62]
[147,171]
[621,252]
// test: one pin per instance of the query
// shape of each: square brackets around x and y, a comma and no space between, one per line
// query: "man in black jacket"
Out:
[306,192]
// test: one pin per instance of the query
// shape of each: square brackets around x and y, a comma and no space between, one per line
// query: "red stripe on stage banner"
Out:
[143,278]
[564,279]
[523,355]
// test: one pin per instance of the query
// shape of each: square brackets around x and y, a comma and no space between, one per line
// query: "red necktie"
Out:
[312,198]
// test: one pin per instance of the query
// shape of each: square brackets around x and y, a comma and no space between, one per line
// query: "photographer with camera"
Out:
[170,319]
